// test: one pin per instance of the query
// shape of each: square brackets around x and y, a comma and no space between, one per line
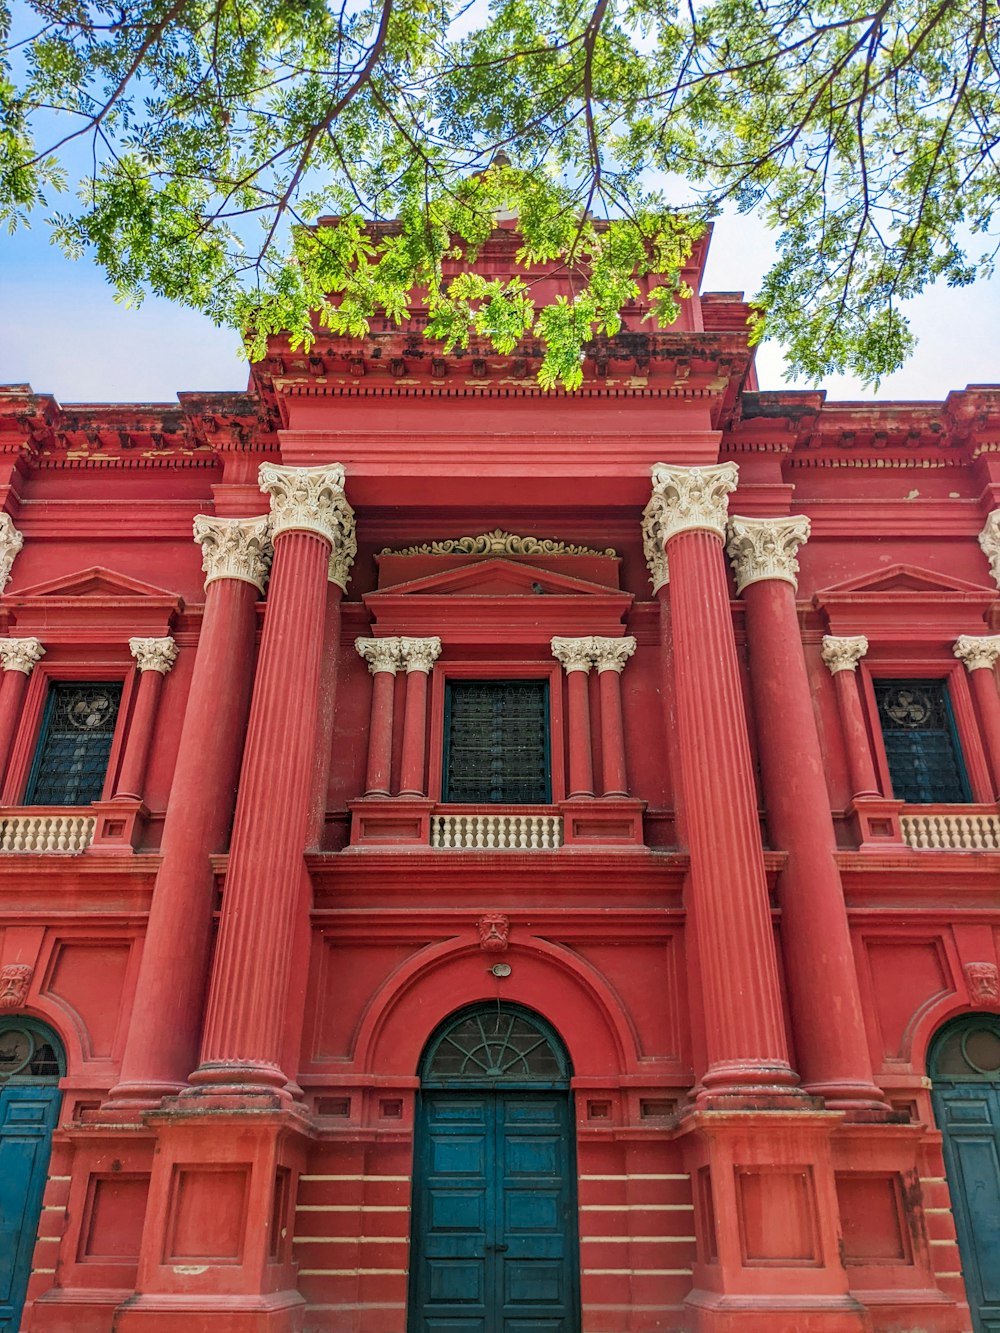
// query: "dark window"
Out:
[75,743]
[496,742]
[925,762]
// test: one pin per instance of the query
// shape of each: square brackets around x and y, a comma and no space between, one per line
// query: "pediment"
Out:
[497,578]
[97,583]
[905,603]
[894,579]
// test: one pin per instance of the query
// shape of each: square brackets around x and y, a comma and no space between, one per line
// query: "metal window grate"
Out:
[75,744]
[497,742]
[925,762]
[494,1044]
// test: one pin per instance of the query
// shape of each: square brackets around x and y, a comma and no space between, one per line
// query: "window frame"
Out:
[486,672]
[971,754]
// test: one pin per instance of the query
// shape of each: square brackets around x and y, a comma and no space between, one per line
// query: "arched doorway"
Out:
[31,1064]
[494,1243]
[964,1064]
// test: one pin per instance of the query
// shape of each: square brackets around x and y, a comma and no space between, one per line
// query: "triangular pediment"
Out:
[497,578]
[96,583]
[896,579]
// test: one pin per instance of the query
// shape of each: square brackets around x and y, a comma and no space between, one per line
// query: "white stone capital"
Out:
[20,654]
[765,548]
[977,651]
[380,654]
[612,654]
[843,654]
[574,654]
[692,498]
[989,540]
[235,548]
[312,499]
[419,654]
[154,654]
[11,542]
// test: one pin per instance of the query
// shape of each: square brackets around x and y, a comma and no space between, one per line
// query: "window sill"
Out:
[405,821]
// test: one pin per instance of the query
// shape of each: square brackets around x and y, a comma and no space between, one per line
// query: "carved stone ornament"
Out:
[498,542]
[765,548]
[20,654]
[612,654]
[654,537]
[574,654]
[380,654]
[983,981]
[154,654]
[692,498]
[977,650]
[989,540]
[312,499]
[11,542]
[843,654]
[235,548]
[15,978]
[494,932]
[419,654]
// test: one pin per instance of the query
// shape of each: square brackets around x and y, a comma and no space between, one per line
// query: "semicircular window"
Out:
[495,1044]
[968,1049]
[28,1053]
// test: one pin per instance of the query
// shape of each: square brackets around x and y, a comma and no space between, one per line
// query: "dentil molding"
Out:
[20,654]
[765,548]
[684,499]
[977,650]
[11,542]
[573,654]
[380,654]
[418,654]
[989,540]
[312,499]
[154,654]
[843,654]
[235,548]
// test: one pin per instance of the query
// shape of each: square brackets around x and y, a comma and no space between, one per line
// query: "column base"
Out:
[278,1312]
[713,1313]
[752,1086]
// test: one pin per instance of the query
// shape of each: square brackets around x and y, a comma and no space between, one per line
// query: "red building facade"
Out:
[530,863]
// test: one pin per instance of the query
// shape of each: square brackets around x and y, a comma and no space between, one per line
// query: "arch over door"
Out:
[494,1246]
[31,1063]
[964,1065]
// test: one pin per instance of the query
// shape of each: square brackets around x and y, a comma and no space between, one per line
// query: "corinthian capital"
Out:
[612,654]
[977,650]
[154,654]
[418,654]
[654,537]
[234,548]
[843,654]
[20,654]
[380,654]
[765,548]
[312,499]
[989,540]
[574,654]
[692,498]
[11,542]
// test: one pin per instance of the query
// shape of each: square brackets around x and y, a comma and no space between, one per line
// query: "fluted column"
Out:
[980,653]
[577,658]
[166,1015]
[338,575]
[382,656]
[728,896]
[842,656]
[18,657]
[264,896]
[154,658]
[824,998]
[610,656]
[418,656]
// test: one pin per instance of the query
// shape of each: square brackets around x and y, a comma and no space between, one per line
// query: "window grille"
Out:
[497,743]
[494,1044]
[921,745]
[26,1055]
[75,744]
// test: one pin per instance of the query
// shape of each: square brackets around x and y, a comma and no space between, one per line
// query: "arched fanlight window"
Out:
[969,1048]
[495,1045]
[29,1052]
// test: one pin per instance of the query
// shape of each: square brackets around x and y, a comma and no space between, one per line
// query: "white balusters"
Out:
[504,832]
[46,833]
[951,831]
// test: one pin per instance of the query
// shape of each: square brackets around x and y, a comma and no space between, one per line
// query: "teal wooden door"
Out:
[966,1068]
[494,1241]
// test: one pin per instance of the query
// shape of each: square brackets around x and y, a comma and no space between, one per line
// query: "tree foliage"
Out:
[208,136]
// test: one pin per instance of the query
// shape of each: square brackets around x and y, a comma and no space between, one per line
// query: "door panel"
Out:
[494,1247]
[27,1118]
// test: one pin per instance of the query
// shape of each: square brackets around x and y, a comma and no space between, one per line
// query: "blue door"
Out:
[494,1246]
[965,1066]
[29,1108]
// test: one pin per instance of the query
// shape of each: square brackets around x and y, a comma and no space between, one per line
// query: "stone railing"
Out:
[46,831]
[950,828]
[505,830]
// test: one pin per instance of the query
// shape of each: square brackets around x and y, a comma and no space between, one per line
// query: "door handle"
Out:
[497,1249]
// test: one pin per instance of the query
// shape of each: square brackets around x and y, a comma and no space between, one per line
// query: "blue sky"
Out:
[63,333]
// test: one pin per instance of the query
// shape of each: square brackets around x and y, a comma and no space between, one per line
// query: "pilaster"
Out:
[418,657]
[18,658]
[979,653]
[576,657]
